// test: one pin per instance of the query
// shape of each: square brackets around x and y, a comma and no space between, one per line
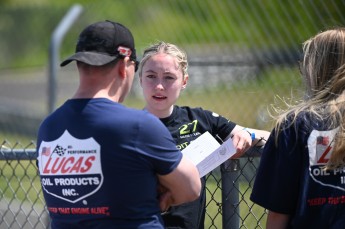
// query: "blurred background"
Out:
[242,53]
[243,57]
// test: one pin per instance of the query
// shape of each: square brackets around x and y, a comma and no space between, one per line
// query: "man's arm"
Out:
[180,186]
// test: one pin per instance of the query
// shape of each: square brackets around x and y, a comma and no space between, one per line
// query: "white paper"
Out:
[207,154]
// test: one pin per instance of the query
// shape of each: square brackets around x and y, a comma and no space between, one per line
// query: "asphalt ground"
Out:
[24,97]
[27,90]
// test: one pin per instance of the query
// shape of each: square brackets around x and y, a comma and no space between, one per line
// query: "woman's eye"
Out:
[170,78]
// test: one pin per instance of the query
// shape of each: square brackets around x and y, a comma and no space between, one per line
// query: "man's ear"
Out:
[122,67]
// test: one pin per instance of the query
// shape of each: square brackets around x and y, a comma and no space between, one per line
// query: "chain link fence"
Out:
[227,188]
[242,53]
[22,202]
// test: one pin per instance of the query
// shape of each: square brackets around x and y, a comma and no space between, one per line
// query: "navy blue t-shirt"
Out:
[185,125]
[291,179]
[98,164]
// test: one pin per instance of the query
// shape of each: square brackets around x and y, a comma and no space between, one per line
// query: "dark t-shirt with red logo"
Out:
[291,179]
[185,125]
[98,164]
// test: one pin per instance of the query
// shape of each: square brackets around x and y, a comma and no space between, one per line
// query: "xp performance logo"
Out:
[70,168]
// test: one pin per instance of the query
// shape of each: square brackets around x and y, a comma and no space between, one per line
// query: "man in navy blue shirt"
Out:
[102,164]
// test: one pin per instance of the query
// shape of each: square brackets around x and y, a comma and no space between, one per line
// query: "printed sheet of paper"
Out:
[207,154]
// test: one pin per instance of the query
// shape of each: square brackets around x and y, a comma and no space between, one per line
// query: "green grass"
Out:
[11,140]
[251,24]
[19,180]
[245,101]
[250,215]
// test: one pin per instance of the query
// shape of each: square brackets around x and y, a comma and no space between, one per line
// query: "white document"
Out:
[207,154]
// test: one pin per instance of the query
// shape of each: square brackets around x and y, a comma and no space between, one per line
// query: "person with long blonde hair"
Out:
[301,177]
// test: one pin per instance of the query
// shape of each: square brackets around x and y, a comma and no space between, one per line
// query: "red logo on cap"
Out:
[123,51]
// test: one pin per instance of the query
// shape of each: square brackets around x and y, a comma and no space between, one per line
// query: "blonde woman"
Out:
[301,174]
[163,73]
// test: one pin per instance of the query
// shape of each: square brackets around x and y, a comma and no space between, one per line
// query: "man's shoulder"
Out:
[145,118]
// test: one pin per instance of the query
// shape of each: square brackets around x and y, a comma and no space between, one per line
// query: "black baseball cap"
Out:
[102,42]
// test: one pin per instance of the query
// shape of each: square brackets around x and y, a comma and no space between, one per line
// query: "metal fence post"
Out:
[54,48]
[230,170]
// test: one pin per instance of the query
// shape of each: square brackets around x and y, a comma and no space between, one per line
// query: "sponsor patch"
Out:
[320,144]
[70,168]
